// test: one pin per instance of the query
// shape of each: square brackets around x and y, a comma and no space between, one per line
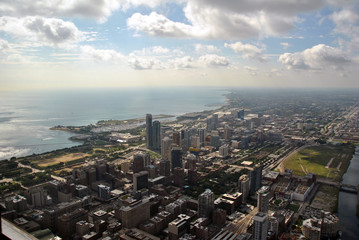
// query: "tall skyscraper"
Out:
[138,163]
[260,221]
[149,134]
[156,135]
[176,157]
[263,195]
[165,148]
[176,136]
[140,180]
[202,135]
[243,186]
[255,178]
[205,203]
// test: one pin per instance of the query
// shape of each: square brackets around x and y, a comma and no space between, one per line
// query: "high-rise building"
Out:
[140,180]
[133,214]
[165,168]
[104,192]
[224,151]
[241,114]
[263,196]
[176,157]
[255,176]
[260,221]
[176,136]
[156,135]
[227,133]
[67,222]
[205,203]
[202,135]
[244,186]
[166,147]
[149,133]
[178,176]
[138,163]
[185,139]
[179,226]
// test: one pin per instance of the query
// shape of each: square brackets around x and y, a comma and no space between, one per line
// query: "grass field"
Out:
[326,161]
[64,159]
[326,198]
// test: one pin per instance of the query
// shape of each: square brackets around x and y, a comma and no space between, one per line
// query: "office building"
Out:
[263,196]
[260,221]
[67,222]
[104,192]
[176,157]
[165,168]
[133,214]
[244,186]
[149,133]
[202,135]
[166,147]
[176,136]
[255,176]
[224,151]
[178,176]
[138,163]
[140,180]
[156,136]
[205,203]
[179,226]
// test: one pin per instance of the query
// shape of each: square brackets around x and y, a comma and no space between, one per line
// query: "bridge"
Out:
[342,186]
[349,188]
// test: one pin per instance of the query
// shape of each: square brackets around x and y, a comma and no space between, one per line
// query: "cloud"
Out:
[96,9]
[140,63]
[214,60]
[200,48]
[318,57]
[249,51]
[150,51]
[252,70]
[230,19]
[346,23]
[285,45]
[46,31]
[182,63]
[158,25]
[4,46]
[100,54]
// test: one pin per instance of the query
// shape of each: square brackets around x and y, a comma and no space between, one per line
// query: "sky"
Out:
[51,44]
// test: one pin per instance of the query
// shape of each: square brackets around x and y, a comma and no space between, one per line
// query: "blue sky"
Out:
[119,43]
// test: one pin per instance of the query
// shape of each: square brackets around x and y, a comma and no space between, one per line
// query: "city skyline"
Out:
[108,43]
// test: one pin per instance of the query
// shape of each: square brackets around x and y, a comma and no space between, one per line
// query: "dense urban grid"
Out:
[267,165]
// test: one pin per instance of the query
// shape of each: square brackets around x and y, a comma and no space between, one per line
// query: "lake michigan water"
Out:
[25,117]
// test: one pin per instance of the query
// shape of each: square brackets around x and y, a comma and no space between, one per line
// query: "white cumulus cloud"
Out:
[248,51]
[100,54]
[214,60]
[317,57]
[184,62]
[46,31]
[142,63]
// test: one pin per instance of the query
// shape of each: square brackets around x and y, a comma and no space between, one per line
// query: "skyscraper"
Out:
[205,203]
[255,178]
[165,148]
[156,135]
[140,180]
[263,195]
[138,163]
[243,186]
[176,157]
[260,221]
[149,134]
